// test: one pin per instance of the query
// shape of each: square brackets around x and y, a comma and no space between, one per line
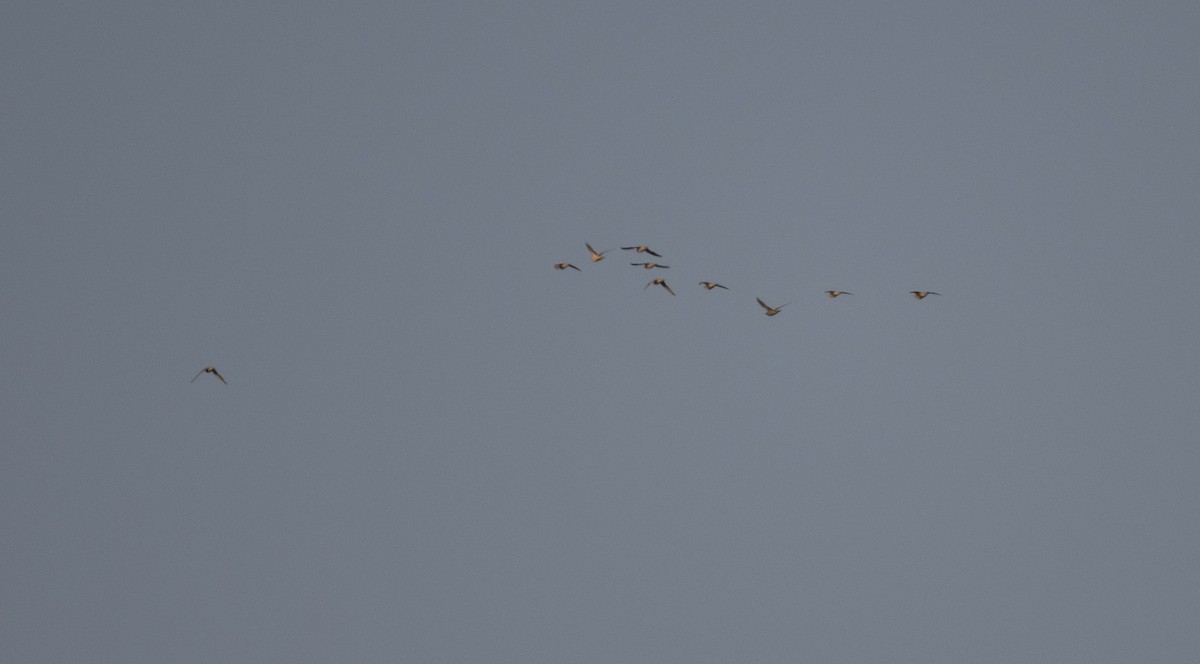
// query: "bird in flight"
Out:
[597,256]
[771,311]
[659,282]
[643,249]
[650,266]
[922,294]
[709,285]
[835,293]
[563,266]
[212,370]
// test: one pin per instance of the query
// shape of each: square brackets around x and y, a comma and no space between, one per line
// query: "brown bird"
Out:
[212,370]
[650,266]
[643,249]
[922,294]
[660,282]
[771,311]
[596,255]
[835,293]
[563,266]
[709,285]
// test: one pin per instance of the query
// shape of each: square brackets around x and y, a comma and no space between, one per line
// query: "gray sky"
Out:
[435,448]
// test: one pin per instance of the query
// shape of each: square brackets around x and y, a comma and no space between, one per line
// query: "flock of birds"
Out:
[598,256]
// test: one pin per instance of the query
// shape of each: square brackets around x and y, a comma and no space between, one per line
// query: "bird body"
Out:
[709,285]
[643,249]
[563,266]
[660,282]
[771,311]
[212,370]
[922,294]
[596,255]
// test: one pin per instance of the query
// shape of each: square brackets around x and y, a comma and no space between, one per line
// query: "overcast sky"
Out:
[434,447]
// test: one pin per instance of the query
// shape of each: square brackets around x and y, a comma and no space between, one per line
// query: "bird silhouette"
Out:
[771,311]
[650,266]
[709,285]
[643,249]
[212,370]
[922,294]
[660,282]
[563,266]
[835,293]
[597,256]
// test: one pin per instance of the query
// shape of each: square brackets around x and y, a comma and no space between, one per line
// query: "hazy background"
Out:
[435,448]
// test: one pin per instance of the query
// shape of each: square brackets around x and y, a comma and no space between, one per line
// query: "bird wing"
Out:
[653,253]
[762,304]
[197,376]
[218,375]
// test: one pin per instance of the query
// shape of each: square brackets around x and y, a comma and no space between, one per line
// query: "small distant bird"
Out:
[659,282]
[922,294]
[563,266]
[596,255]
[650,266]
[835,293]
[212,370]
[709,285]
[771,311]
[643,249]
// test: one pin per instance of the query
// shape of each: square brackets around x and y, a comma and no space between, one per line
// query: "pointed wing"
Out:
[218,375]
[197,376]
[762,304]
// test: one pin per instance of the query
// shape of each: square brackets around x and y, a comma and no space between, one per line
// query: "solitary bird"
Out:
[771,311]
[563,266]
[835,293]
[709,285]
[212,370]
[660,282]
[650,266]
[596,255]
[643,249]
[922,294]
